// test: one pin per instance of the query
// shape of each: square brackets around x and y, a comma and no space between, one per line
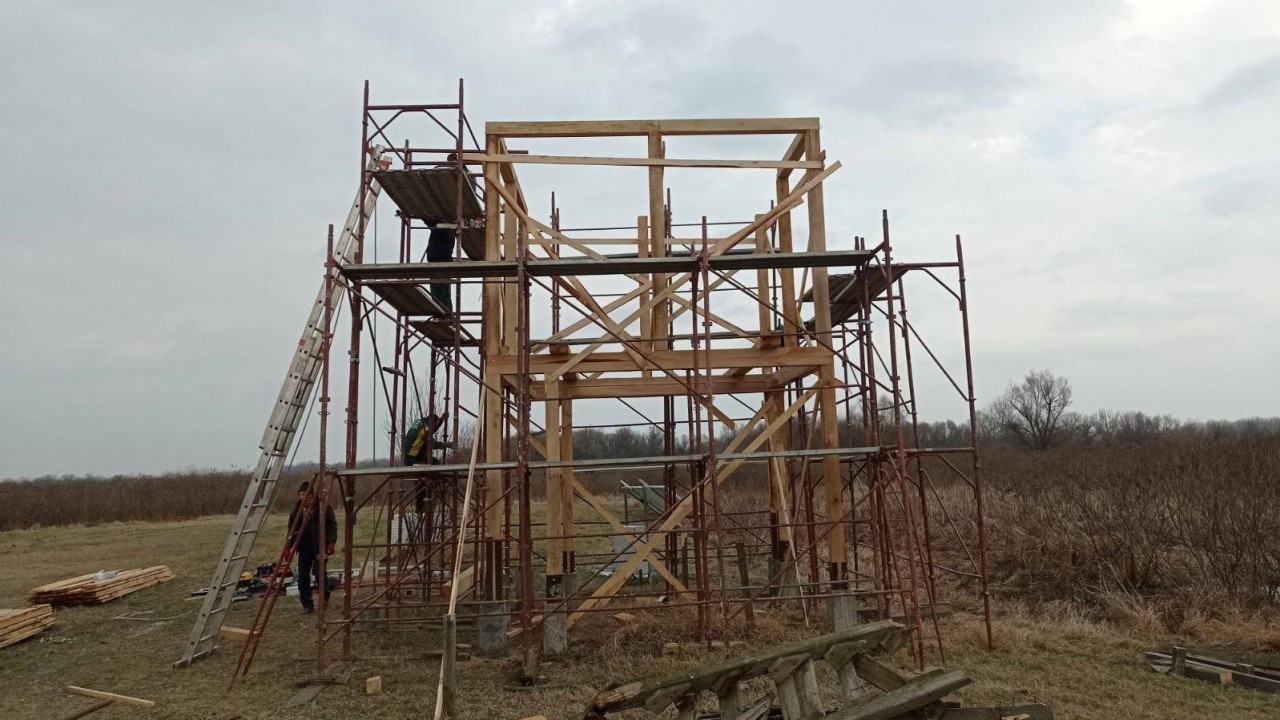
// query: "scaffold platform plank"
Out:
[410,300]
[431,195]
[847,290]
[617,265]
[440,333]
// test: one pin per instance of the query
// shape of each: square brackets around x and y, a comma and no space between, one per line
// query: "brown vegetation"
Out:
[1172,517]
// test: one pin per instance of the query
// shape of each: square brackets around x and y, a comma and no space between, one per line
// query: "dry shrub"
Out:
[182,495]
[1185,517]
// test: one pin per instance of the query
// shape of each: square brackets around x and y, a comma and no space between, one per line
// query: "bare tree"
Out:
[1035,410]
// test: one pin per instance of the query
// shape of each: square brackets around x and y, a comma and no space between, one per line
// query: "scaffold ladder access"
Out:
[277,439]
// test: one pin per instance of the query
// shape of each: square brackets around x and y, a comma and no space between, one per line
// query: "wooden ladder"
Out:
[277,439]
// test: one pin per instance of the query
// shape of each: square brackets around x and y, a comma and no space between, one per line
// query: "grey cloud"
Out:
[933,88]
[1241,191]
[1252,81]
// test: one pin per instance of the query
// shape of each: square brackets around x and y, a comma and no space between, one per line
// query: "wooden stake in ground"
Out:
[447,662]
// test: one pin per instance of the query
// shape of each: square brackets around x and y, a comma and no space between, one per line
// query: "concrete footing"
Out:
[842,612]
[555,634]
[491,629]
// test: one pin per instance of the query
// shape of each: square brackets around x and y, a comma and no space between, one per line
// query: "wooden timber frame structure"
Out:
[854,509]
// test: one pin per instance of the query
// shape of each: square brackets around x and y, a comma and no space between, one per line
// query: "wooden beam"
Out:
[787,276]
[718,359]
[577,325]
[508,173]
[833,487]
[628,387]
[122,699]
[917,693]
[613,128]
[642,162]
[554,487]
[794,152]
[493,305]
[509,245]
[642,250]
[595,503]
[681,510]
[786,376]
[763,284]
[656,304]
[569,479]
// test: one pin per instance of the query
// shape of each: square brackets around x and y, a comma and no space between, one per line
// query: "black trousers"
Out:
[309,573]
[443,293]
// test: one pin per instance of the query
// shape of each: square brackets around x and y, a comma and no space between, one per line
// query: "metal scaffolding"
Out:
[818,417]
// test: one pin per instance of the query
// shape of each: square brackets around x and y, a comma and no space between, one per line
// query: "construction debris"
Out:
[1198,667]
[22,623]
[792,670]
[99,694]
[100,587]
[373,685]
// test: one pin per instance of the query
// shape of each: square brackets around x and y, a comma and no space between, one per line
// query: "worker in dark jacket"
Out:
[304,528]
[440,249]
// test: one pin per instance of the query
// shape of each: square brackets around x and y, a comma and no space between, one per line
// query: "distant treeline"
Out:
[1102,428]
[68,499]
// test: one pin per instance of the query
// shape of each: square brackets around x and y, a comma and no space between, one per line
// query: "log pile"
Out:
[90,590]
[24,622]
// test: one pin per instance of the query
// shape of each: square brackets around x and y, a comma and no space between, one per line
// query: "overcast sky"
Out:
[169,170]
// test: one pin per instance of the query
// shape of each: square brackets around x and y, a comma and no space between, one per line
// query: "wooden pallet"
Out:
[83,590]
[22,623]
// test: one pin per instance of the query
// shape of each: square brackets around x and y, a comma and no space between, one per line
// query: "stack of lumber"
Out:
[1213,670]
[22,623]
[85,590]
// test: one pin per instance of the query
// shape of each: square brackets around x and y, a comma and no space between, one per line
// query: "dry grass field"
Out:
[1083,665]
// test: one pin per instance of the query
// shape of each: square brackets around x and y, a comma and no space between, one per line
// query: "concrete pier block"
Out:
[491,629]
[842,612]
[555,634]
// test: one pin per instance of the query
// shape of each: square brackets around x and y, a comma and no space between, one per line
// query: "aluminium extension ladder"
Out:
[278,438]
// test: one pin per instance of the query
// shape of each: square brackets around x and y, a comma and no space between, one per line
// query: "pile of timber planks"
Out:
[24,622]
[1179,662]
[84,590]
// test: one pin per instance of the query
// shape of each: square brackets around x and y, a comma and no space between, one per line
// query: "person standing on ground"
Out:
[304,528]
